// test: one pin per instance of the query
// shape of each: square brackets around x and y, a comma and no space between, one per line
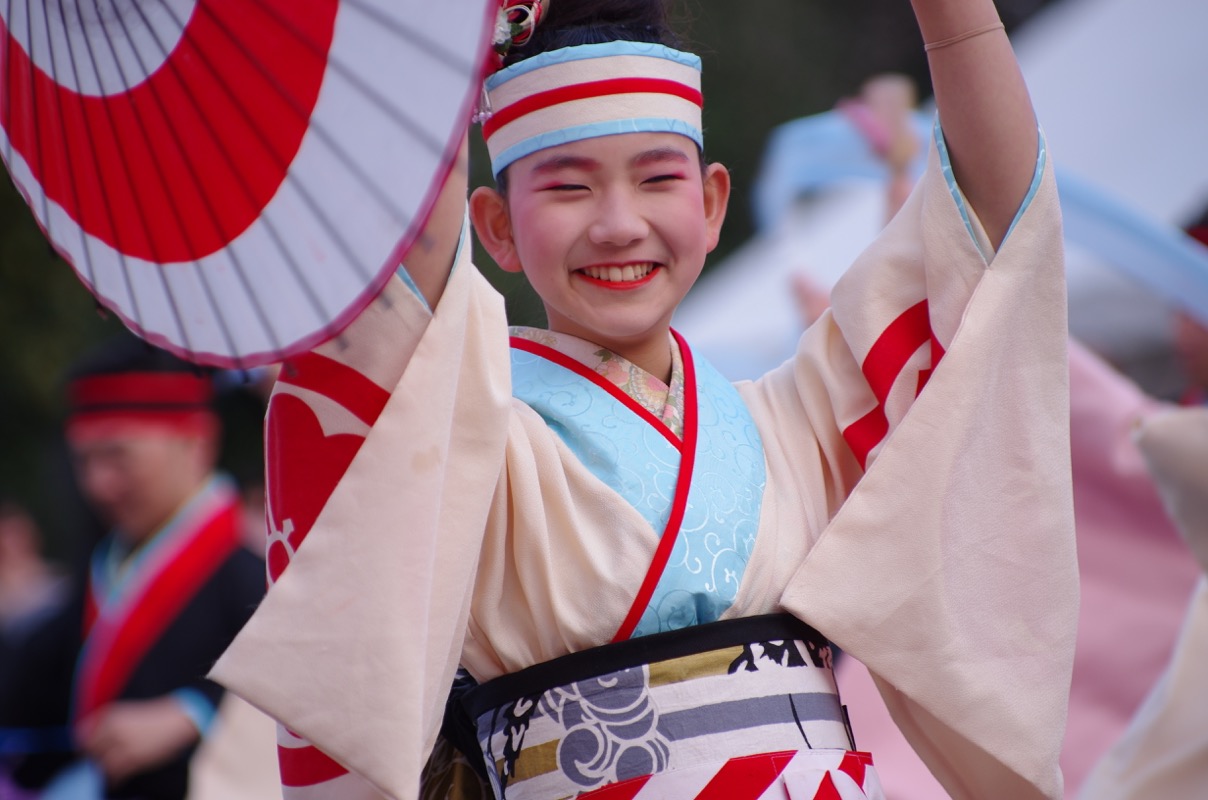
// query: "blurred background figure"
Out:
[241,403]
[30,590]
[1191,337]
[1164,751]
[108,696]
[30,586]
[883,113]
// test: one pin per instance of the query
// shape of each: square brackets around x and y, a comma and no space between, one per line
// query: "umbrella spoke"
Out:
[312,297]
[416,38]
[7,121]
[206,200]
[235,180]
[383,199]
[130,183]
[39,157]
[400,118]
[85,245]
[107,206]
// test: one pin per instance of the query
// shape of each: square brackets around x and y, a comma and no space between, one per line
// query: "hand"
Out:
[810,296]
[127,737]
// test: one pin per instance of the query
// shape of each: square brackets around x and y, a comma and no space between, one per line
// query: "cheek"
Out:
[544,239]
[687,230]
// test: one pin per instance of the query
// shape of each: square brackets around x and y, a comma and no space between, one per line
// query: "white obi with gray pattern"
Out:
[660,703]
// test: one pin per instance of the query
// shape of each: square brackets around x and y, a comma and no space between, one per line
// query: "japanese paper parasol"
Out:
[236,179]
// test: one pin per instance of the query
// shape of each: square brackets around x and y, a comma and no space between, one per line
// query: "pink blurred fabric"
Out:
[1137,577]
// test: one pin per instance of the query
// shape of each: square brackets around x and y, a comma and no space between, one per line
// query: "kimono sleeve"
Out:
[936,391]
[378,594]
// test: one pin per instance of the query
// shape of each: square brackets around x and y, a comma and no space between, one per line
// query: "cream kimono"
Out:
[926,532]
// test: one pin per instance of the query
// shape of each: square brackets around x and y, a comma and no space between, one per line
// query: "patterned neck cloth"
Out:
[663,401]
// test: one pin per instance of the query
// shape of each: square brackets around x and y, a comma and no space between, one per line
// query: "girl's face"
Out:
[611,232]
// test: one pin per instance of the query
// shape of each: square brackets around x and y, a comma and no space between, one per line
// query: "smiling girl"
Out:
[642,565]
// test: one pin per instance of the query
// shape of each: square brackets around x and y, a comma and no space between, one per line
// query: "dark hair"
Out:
[127,353]
[568,23]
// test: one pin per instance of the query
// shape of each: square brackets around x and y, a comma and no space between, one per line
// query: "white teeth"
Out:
[624,274]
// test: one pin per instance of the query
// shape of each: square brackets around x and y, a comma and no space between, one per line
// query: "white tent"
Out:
[1119,88]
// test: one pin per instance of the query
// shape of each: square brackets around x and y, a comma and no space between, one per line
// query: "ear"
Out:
[489,214]
[717,199]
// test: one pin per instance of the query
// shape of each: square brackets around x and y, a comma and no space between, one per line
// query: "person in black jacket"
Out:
[111,692]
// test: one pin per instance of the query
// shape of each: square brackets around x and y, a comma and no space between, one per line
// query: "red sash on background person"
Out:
[123,618]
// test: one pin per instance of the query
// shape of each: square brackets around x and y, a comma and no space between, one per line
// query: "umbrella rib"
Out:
[400,215]
[175,138]
[96,161]
[202,277]
[240,271]
[270,227]
[7,122]
[404,121]
[40,156]
[85,247]
[383,103]
[97,126]
[416,38]
[130,183]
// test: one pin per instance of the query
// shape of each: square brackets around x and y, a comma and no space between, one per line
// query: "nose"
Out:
[619,221]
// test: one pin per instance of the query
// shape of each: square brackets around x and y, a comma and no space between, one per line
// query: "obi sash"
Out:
[703,494]
[124,616]
[742,708]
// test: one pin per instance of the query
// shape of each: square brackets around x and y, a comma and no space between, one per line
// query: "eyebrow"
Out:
[645,158]
[659,155]
[555,163]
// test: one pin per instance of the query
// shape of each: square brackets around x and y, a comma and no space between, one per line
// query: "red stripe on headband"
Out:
[140,390]
[583,91]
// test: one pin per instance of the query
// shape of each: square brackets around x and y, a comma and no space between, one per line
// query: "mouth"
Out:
[614,276]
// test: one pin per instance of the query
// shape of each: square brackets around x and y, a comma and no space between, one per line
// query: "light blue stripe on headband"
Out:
[605,128]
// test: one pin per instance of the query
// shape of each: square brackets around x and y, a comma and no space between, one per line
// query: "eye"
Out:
[565,187]
[666,178]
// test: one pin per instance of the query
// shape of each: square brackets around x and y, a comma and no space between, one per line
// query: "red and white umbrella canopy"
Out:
[236,179]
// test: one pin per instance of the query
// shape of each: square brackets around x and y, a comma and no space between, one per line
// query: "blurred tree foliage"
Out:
[765,62]
[47,318]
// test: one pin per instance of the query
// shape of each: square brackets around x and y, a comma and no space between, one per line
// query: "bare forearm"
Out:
[429,260]
[987,116]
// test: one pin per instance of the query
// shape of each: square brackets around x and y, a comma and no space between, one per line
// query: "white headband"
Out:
[591,90]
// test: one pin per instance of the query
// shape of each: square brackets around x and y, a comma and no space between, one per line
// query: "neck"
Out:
[652,355]
[657,362]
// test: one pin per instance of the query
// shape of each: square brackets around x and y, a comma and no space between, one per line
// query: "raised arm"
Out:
[987,116]
[431,257]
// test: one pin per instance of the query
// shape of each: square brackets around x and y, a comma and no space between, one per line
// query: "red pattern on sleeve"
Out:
[303,464]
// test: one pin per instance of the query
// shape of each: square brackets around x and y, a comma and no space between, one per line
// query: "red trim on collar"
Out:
[582,370]
[679,505]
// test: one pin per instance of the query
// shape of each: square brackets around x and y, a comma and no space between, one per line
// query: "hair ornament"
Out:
[516,23]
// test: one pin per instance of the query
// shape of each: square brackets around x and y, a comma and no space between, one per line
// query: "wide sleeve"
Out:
[935,397]
[378,596]
[1164,751]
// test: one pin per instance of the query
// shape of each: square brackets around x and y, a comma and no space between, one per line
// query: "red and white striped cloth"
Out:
[591,90]
[788,775]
